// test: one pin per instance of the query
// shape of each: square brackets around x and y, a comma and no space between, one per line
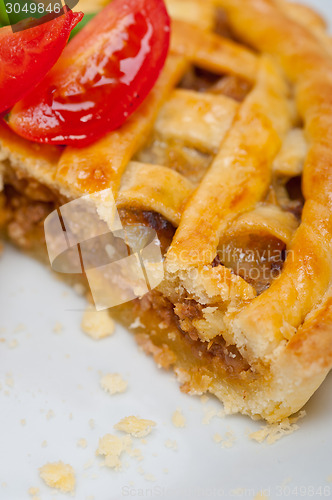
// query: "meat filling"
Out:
[171,316]
[202,80]
[24,218]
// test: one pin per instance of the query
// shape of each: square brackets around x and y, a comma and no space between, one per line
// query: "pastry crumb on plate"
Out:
[178,419]
[82,443]
[113,383]
[58,475]
[33,491]
[97,324]
[137,427]
[271,433]
[111,447]
[171,444]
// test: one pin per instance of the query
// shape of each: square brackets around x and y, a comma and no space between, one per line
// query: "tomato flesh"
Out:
[27,56]
[101,78]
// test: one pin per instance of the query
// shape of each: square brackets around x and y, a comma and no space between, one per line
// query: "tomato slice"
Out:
[102,76]
[27,56]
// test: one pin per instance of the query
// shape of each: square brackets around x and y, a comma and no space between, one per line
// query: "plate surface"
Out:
[50,398]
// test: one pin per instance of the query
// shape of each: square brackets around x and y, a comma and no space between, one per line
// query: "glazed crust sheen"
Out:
[242,107]
[309,66]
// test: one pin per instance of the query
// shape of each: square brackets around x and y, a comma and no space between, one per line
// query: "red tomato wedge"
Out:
[27,56]
[101,78]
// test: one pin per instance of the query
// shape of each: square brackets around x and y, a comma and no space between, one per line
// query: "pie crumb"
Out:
[58,327]
[82,443]
[178,419]
[13,344]
[112,447]
[173,445]
[97,324]
[113,383]
[329,478]
[9,381]
[210,413]
[49,414]
[149,477]
[91,423]
[261,496]
[137,427]
[229,440]
[273,432]
[44,444]
[135,453]
[88,464]
[237,492]
[23,422]
[204,399]
[33,491]
[58,475]
[217,438]
[19,328]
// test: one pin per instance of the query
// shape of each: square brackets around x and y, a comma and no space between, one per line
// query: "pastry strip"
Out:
[239,176]
[198,120]
[292,296]
[212,52]
[141,188]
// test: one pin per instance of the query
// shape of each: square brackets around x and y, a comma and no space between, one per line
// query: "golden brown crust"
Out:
[213,52]
[228,187]
[306,64]
[239,176]
[141,189]
[313,338]
[36,160]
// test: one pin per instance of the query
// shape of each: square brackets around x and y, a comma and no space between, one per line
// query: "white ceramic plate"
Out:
[50,393]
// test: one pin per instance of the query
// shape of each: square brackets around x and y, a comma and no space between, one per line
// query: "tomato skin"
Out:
[101,78]
[27,56]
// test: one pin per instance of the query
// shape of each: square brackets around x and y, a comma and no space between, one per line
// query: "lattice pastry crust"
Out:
[241,111]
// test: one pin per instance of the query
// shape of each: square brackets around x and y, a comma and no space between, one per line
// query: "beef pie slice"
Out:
[229,160]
